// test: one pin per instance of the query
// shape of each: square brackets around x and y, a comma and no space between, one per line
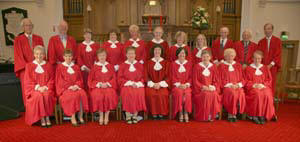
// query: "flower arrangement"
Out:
[200,19]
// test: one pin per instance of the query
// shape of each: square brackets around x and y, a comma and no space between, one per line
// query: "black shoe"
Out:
[134,120]
[230,119]
[160,117]
[275,118]
[256,121]
[234,119]
[262,120]
[155,117]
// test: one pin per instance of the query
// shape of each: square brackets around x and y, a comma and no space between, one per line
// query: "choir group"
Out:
[239,77]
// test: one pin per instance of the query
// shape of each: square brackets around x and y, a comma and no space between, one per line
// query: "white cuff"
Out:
[83,67]
[188,84]
[141,61]
[163,84]
[222,61]
[69,87]
[139,84]
[263,86]
[108,84]
[253,86]
[37,87]
[177,84]
[240,85]
[272,63]
[46,87]
[98,85]
[129,83]
[212,87]
[150,84]
[116,67]
[216,61]
[228,85]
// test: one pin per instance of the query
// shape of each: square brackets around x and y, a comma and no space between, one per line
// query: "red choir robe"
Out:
[259,101]
[197,54]
[23,54]
[133,99]
[157,99]
[172,52]
[56,49]
[232,97]
[239,47]
[87,57]
[66,76]
[217,53]
[206,103]
[181,96]
[103,99]
[38,104]
[161,42]
[272,56]
[114,53]
[140,52]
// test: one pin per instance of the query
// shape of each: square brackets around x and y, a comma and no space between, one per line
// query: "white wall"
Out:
[44,15]
[284,14]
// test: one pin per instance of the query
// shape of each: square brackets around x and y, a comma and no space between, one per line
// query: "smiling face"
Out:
[229,57]
[130,55]
[268,29]
[113,36]
[87,36]
[200,40]
[63,28]
[181,55]
[158,32]
[102,57]
[157,52]
[257,58]
[224,32]
[39,55]
[246,36]
[68,58]
[180,40]
[206,58]
[27,26]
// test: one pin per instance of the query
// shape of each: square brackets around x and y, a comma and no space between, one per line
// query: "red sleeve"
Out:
[79,56]
[189,57]
[113,80]
[18,56]
[74,49]
[239,48]
[121,76]
[29,82]
[277,54]
[197,72]
[252,48]
[173,74]
[241,77]
[60,82]
[214,50]
[91,79]
[248,74]
[268,77]
[223,79]
[51,51]
[79,79]
[50,83]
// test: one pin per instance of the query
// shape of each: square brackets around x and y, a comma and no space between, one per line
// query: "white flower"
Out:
[198,23]
[204,21]
[206,14]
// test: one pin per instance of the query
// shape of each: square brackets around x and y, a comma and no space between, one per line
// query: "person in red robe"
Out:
[206,90]
[157,40]
[136,42]
[69,88]
[181,40]
[220,44]
[87,55]
[39,89]
[156,74]
[259,96]
[23,47]
[181,76]
[131,82]
[232,83]
[58,43]
[102,83]
[201,45]
[245,49]
[113,50]
[271,46]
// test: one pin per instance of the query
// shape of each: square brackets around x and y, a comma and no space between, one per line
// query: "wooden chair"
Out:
[59,110]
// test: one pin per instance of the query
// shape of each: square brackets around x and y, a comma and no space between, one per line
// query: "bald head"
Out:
[27,25]
[63,27]
[224,32]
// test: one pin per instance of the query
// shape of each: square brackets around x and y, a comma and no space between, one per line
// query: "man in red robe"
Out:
[23,50]
[271,46]
[58,43]
[220,44]
[157,40]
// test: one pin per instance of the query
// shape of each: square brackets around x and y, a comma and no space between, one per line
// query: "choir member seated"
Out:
[201,45]
[181,76]
[131,83]
[206,96]
[157,94]
[102,83]
[39,89]
[181,40]
[232,83]
[157,40]
[259,95]
[69,88]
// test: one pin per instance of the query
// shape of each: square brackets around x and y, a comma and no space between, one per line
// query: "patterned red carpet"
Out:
[287,129]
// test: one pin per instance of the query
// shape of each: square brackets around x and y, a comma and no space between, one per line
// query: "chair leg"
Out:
[60,114]
[145,115]
[56,114]
[220,114]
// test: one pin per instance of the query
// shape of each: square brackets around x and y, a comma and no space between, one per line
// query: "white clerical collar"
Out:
[159,60]
[157,66]
[39,68]
[178,62]
[208,66]
[86,43]
[157,41]
[113,42]
[182,45]
[42,63]
[206,71]
[181,68]
[127,62]
[257,71]
[231,68]
[27,35]
[131,39]
[131,67]
[269,38]
[103,65]
[69,66]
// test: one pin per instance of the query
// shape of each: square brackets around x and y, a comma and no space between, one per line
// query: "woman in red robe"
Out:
[181,75]
[201,45]
[259,95]
[232,83]
[131,82]
[102,83]
[206,89]
[39,86]
[69,88]
[181,40]
[156,74]
[157,40]
[137,43]
[113,50]
[87,55]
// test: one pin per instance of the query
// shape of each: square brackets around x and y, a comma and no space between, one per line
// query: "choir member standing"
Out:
[58,43]
[201,45]
[206,96]
[137,43]
[259,96]
[181,40]
[131,82]
[220,44]
[69,88]
[113,50]
[181,76]
[87,55]
[39,89]
[157,40]
[245,49]
[23,47]
[157,94]
[102,83]
[271,46]
[232,83]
